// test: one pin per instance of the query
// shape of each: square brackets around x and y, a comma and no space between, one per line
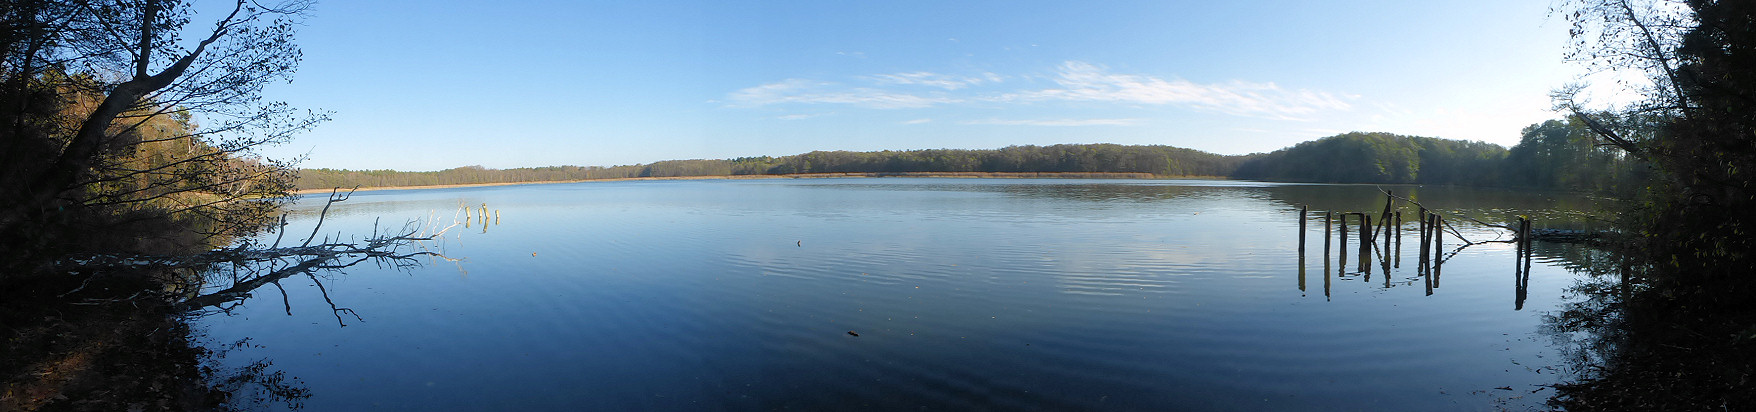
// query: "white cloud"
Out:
[812,92]
[918,121]
[1055,122]
[1075,81]
[947,82]
[1081,81]
[801,116]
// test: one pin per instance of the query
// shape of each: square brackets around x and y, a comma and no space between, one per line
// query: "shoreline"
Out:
[948,175]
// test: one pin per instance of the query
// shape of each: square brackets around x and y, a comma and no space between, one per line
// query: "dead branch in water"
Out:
[253,266]
[1446,223]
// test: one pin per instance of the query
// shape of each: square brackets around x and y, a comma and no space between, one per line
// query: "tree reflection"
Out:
[220,281]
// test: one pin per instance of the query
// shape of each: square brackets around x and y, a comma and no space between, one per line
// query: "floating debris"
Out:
[851,333]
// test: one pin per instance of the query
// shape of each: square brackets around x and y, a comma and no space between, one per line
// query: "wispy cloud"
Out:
[1081,81]
[800,116]
[813,92]
[1074,81]
[943,81]
[1055,122]
[918,121]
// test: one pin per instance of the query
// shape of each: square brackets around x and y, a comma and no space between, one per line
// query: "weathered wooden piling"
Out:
[1438,248]
[1397,237]
[1365,244]
[1438,239]
[1342,253]
[1426,276]
[1529,250]
[1302,211]
[1521,270]
[1365,225]
[1398,226]
[1384,218]
[1327,216]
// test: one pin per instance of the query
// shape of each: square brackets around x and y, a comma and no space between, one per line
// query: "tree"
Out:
[1684,331]
[113,124]
[1696,124]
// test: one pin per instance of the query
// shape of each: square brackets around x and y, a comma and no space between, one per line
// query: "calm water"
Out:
[965,294]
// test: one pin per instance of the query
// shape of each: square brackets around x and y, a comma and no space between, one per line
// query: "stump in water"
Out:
[1341,257]
[1438,247]
[1365,244]
[1326,222]
[1385,217]
[1302,211]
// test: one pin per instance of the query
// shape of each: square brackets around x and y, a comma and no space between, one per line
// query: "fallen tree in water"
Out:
[250,265]
[107,331]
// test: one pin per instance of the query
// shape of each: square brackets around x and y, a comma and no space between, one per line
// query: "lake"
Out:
[964,294]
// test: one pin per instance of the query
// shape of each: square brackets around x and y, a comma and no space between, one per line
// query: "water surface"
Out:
[965,294]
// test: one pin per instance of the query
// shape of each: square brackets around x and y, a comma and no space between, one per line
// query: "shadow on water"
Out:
[1380,244]
[1629,347]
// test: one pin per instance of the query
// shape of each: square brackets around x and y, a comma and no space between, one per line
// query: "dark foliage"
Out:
[1687,339]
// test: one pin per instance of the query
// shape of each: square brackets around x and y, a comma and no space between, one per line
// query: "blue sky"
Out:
[431,85]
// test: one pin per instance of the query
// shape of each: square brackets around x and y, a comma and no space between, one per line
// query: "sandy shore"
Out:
[963,175]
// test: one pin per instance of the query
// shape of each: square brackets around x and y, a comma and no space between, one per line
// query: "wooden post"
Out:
[1397,238]
[1438,238]
[1302,210]
[1428,279]
[1518,266]
[1528,247]
[1398,226]
[1365,244]
[1342,256]
[1385,217]
[1438,247]
[1365,224]
[1327,216]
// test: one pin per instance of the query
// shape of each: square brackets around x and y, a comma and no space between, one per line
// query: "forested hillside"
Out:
[1379,158]
[1157,160]
[1557,154]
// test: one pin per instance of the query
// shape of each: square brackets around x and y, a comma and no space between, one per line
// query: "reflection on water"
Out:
[1431,229]
[963,294]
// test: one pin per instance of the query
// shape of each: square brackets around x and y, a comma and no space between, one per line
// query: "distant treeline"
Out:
[1554,154]
[1108,158]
